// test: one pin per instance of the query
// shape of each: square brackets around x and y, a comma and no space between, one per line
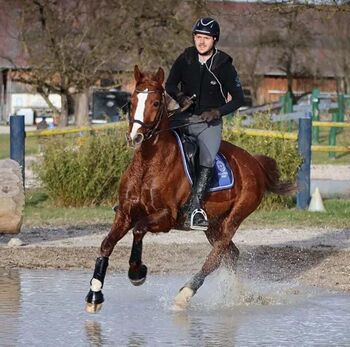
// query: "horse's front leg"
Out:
[120,227]
[160,221]
[137,271]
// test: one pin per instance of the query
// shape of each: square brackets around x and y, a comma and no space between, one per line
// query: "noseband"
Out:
[153,126]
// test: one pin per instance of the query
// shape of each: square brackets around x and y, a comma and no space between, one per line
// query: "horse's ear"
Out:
[137,73]
[160,75]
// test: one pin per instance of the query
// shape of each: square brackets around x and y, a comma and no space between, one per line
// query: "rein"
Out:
[153,128]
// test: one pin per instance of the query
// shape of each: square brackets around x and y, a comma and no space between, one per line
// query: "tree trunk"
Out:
[45,96]
[290,85]
[64,111]
[81,102]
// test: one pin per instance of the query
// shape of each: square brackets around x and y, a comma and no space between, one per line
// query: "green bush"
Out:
[86,171]
[284,151]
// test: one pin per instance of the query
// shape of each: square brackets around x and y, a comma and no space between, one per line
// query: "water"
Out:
[46,308]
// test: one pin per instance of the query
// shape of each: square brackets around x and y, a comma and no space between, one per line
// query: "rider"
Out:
[200,80]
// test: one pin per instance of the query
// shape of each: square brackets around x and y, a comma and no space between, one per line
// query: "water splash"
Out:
[225,289]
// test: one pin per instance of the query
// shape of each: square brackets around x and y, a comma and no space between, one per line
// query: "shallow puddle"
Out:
[46,308]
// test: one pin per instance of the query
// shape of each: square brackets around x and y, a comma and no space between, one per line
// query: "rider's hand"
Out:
[184,101]
[211,115]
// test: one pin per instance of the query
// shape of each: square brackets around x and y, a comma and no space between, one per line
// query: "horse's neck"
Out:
[156,150]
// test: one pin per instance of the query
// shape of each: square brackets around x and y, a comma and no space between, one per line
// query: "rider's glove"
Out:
[184,101]
[211,115]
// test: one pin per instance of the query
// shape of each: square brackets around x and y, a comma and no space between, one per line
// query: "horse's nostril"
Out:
[137,139]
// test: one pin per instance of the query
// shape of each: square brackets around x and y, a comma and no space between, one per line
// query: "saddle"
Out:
[222,177]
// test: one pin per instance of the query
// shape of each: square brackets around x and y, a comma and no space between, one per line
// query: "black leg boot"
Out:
[196,218]
[94,298]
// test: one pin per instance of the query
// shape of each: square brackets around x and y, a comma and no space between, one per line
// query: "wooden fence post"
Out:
[304,147]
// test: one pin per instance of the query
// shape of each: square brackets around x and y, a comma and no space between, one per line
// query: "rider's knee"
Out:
[206,161]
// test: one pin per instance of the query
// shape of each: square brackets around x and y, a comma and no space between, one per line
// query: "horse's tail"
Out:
[272,177]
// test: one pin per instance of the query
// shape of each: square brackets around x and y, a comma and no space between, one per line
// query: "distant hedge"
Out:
[86,171]
[284,151]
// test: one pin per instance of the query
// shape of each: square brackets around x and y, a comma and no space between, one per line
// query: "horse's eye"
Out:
[156,104]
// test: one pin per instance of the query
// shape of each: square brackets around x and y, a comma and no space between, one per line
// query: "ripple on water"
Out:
[46,308]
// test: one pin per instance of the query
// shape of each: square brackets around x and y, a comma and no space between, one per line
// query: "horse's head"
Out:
[147,106]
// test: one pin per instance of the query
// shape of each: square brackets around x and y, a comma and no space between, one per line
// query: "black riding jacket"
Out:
[189,76]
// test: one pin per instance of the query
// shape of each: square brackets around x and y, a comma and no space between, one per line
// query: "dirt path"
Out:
[316,257]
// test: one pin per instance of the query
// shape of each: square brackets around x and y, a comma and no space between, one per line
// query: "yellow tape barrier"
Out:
[331,124]
[247,131]
[68,130]
[317,148]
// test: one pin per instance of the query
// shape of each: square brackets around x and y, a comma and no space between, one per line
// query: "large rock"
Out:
[11,197]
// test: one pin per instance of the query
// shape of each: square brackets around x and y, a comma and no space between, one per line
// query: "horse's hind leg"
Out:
[212,263]
[219,237]
[231,256]
[120,227]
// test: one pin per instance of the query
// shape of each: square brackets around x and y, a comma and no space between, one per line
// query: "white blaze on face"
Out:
[139,113]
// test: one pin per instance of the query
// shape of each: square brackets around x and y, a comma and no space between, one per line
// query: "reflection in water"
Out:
[198,332]
[10,298]
[136,340]
[45,308]
[94,333]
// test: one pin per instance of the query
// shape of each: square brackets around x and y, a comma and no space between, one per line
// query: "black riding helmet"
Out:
[207,26]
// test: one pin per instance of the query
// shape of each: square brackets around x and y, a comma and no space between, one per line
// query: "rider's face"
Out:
[204,43]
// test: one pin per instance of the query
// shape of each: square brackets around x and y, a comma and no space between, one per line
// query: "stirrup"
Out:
[203,213]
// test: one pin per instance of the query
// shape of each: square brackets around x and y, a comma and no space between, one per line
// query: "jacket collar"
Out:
[191,56]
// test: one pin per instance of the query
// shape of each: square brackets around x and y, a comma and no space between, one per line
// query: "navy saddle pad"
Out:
[222,178]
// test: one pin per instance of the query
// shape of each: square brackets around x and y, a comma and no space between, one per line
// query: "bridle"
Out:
[152,127]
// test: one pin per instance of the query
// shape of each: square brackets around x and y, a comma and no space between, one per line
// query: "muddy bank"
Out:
[315,257]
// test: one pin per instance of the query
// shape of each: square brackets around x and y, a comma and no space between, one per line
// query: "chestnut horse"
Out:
[154,187]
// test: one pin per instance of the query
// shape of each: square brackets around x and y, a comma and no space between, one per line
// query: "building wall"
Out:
[273,87]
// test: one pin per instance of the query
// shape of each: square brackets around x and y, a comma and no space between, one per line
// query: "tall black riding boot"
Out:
[195,217]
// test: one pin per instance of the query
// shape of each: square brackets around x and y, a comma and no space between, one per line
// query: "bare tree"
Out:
[249,58]
[291,40]
[71,45]
[337,44]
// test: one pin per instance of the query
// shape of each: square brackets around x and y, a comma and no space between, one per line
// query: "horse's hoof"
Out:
[94,301]
[137,278]
[182,299]
[92,308]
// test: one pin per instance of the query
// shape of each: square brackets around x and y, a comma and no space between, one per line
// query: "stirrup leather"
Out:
[203,213]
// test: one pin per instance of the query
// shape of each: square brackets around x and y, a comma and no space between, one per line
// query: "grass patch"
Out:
[343,139]
[39,211]
[32,146]
[336,216]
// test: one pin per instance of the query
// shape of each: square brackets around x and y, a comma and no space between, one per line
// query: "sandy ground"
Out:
[314,257]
